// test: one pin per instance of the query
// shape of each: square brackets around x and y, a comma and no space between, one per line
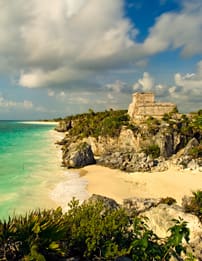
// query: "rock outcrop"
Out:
[109,203]
[160,217]
[151,145]
[78,155]
[188,160]
[128,161]
[63,126]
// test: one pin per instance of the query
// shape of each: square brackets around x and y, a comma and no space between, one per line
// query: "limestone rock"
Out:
[63,126]
[78,155]
[140,205]
[108,202]
[190,145]
[160,218]
[128,161]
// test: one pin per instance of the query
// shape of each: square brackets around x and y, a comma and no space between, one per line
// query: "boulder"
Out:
[160,218]
[78,155]
[128,161]
[140,205]
[190,145]
[109,203]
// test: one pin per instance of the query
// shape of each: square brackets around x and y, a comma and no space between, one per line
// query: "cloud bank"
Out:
[69,43]
[85,53]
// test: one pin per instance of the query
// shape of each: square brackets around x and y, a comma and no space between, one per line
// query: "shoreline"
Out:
[120,185]
[40,122]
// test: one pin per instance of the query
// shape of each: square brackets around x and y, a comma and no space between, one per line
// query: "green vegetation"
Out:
[196,152]
[194,206]
[110,122]
[90,231]
[152,150]
[168,200]
[107,123]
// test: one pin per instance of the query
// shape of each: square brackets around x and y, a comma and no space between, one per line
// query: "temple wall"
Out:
[158,109]
[140,99]
[143,104]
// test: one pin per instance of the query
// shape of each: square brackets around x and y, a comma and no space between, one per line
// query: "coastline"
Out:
[40,122]
[120,185]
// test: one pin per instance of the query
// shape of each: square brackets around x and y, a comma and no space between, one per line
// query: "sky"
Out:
[62,57]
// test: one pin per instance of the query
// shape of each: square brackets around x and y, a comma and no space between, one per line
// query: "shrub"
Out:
[152,150]
[168,200]
[90,231]
[196,152]
[97,231]
[33,235]
[194,205]
[107,123]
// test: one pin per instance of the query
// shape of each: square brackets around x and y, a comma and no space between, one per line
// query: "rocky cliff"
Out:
[117,142]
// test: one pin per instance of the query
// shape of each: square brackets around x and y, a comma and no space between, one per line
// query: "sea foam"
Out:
[74,186]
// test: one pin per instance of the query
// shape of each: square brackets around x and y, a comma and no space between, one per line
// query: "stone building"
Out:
[143,104]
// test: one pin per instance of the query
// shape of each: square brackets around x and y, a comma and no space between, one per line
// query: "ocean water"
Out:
[30,173]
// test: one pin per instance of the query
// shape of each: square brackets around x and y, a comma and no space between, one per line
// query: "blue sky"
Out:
[62,57]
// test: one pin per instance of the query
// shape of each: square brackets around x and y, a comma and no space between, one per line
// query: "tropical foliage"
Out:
[107,123]
[90,231]
[152,150]
[194,205]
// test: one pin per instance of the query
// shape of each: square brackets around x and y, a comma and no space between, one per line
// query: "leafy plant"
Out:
[95,231]
[194,205]
[91,231]
[32,235]
[152,150]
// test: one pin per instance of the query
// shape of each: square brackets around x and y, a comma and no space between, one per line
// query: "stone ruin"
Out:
[143,104]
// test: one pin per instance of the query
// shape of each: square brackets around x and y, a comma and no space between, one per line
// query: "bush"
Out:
[152,150]
[90,231]
[168,200]
[32,236]
[194,205]
[107,123]
[196,152]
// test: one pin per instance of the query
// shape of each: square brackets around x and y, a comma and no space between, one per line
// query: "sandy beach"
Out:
[40,122]
[119,185]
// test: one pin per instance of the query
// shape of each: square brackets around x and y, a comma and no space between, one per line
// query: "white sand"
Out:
[120,185]
[40,122]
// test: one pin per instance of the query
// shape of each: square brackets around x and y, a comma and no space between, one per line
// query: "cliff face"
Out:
[118,143]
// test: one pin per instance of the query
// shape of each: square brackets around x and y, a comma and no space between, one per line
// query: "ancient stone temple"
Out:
[143,104]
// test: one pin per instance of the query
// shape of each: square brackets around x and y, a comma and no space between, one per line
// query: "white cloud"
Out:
[117,86]
[73,7]
[191,81]
[70,43]
[144,84]
[178,30]
[51,93]
[55,42]
[4,103]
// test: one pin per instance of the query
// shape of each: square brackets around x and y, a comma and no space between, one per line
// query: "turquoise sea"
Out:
[30,172]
